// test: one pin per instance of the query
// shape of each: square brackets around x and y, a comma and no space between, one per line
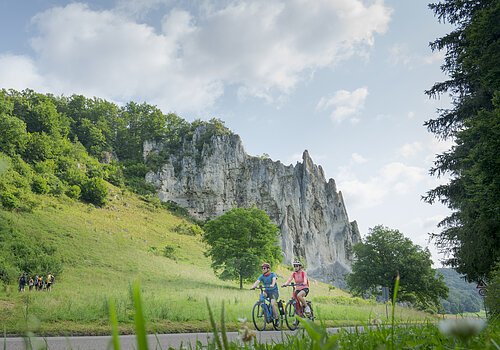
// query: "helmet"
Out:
[296,262]
[266,265]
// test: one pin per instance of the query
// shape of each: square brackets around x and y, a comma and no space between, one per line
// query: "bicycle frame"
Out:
[268,309]
[299,308]
[262,313]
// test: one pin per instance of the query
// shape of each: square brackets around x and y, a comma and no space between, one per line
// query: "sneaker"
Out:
[307,311]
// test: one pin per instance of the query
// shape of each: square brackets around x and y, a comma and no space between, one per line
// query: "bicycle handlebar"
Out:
[261,287]
[294,285]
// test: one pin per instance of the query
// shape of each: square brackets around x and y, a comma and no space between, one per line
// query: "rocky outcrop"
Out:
[218,175]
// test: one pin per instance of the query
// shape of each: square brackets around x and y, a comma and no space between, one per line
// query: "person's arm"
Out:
[289,280]
[255,284]
[273,283]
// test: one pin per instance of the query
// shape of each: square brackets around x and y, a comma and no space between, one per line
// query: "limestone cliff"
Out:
[215,176]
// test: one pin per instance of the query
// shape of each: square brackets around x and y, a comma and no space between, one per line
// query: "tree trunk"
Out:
[241,281]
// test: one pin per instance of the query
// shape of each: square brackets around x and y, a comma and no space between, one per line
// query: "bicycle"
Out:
[262,312]
[294,309]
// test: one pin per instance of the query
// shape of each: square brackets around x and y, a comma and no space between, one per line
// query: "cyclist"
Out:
[268,279]
[301,285]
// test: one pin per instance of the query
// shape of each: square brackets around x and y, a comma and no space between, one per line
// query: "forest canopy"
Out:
[73,145]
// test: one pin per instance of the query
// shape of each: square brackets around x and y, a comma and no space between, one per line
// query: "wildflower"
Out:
[245,333]
[463,329]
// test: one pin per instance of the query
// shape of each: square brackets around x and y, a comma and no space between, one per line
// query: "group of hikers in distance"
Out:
[269,280]
[37,282]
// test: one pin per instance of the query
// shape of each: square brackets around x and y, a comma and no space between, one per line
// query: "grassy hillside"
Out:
[103,250]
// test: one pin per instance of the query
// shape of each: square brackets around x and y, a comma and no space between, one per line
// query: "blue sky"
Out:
[344,79]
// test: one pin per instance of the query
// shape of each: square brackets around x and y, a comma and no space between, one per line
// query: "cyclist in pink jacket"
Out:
[299,276]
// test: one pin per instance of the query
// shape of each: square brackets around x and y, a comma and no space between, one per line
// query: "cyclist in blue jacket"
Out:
[268,279]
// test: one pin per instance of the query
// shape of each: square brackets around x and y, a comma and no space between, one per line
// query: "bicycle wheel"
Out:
[278,324]
[311,315]
[281,314]
[258,316]
[291,321]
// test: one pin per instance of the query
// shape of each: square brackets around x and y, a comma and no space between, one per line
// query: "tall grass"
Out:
[316,337]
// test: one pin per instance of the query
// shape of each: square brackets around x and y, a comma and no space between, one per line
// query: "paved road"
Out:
[128,342]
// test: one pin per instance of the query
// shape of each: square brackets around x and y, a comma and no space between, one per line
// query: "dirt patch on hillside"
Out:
[6,305]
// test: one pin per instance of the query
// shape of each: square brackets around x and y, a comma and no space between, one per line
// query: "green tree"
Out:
[385,253]
[13,136]
[239,240]
[471,234]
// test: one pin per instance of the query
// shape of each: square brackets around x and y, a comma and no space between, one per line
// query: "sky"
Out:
[343,79]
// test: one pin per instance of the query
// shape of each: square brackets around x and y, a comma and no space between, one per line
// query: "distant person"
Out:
[31,283]
[268,279]
[22,282]
[39,283]
[50,280]
[299,276]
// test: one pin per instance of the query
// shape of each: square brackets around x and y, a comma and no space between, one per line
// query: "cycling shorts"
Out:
[272,294]
[306,290]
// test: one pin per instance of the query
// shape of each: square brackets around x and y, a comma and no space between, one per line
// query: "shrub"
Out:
[74,191]
[39,185]
[9,200]
[8,272]
[169,252]
[114,174]
[190,230]
[94,191]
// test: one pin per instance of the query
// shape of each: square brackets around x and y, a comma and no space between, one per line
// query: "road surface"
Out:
[129,342]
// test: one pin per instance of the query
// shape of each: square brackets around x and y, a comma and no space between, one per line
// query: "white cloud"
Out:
[400,54]
[265,48]
[410,149]
[437,56]
[358,158]
[19,72]
[345,104]
[392,179]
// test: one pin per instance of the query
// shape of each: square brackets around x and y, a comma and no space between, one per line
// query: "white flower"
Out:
[464,328]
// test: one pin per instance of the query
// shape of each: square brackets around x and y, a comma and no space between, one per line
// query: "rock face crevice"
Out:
[309,211]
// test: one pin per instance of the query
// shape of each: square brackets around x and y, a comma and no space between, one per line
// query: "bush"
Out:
[9,200]
[8,272]
[39,185]
[74,191]
[57,187]
[190,230]
[169,252]
[94,191]
[114,174]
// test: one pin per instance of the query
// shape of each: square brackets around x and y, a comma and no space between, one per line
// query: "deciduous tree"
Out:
[386,253]
[239,240]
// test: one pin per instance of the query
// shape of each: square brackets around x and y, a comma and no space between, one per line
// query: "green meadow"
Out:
[105,250]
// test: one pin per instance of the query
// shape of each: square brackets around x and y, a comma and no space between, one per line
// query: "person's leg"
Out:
[300,296]
[275,308]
